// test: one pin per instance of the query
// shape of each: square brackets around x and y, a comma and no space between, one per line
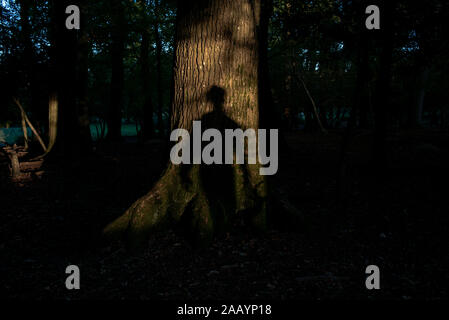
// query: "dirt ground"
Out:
[397,221]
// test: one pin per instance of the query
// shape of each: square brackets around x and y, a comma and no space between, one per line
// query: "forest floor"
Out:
[397,221]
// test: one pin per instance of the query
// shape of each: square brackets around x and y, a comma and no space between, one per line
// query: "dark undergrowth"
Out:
[397,220]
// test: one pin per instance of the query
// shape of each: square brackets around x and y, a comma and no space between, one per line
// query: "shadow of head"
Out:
[217,96]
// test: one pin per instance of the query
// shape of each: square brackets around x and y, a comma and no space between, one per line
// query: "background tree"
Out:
[148,125]
[84,46]
[117,49]
[62,83]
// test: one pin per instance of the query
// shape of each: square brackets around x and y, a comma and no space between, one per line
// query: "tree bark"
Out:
[215,81]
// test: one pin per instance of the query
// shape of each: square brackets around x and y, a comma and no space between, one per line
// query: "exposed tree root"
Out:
[201,201]
[185,196]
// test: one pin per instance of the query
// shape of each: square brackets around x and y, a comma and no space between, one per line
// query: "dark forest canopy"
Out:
[26,54]
[321,45]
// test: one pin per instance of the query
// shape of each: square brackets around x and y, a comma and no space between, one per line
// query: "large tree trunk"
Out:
[215,81]
[117,78]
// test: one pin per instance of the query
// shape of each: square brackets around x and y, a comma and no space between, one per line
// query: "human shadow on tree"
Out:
[219,180]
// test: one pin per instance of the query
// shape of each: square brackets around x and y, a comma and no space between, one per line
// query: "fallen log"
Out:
[14,159]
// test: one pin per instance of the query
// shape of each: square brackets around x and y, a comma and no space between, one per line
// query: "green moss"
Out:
[179,195]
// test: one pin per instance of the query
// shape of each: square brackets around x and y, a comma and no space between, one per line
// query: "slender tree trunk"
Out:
[359,106]
[268,117]
[299,79]
[145,72]
[52,121]
[24,129]
[25,35]
[361,97]
[417,104]
[117,79]
[83,82]
[28,51]
[30,65]
[382,97]
[160,123]
[63,82]
[215,81]
[424,76]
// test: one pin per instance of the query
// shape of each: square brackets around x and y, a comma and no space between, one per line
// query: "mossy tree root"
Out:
[179,198]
